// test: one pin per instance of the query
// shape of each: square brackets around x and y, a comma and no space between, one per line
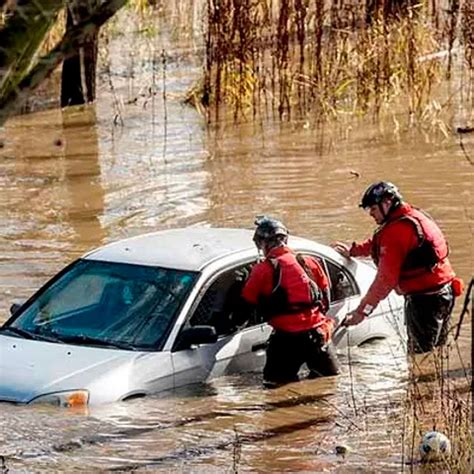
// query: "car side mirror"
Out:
[16,305]
[197,335]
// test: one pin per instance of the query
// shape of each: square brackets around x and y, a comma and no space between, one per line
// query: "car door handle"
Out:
[259,347]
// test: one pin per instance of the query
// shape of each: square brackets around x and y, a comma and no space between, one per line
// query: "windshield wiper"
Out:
[26,334]
[83,339]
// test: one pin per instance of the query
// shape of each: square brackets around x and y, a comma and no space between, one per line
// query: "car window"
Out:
[105,303]
[218,302]
[342,284]
[87,290]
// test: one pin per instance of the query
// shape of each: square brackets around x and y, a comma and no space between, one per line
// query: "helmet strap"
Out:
[266,248]
[393,205]
[261,248]
[384,214]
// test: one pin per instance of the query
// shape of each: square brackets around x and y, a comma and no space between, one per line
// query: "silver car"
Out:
[153,312]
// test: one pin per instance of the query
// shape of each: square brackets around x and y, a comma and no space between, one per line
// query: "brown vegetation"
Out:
[323,59]
[23,32]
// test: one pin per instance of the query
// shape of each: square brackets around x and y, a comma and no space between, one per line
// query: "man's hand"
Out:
[242,275]
[353,318]
[325,329]
[342,248]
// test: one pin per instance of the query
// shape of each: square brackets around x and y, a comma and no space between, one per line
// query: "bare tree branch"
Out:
[21,37]
[73,39]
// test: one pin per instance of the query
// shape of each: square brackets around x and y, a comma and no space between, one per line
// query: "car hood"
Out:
[30,368]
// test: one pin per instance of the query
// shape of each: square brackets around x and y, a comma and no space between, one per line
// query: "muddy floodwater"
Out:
[73,180]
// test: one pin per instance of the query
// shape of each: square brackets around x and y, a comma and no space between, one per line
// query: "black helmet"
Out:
[270,231]
[376,192]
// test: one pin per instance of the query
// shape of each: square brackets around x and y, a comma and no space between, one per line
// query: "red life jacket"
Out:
[293,288]
[432,248]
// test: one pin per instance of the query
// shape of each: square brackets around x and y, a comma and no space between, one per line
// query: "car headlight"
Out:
[72,398]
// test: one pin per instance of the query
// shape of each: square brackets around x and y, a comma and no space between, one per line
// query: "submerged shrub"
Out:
[296,58]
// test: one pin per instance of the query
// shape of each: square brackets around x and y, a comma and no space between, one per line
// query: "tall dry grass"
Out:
[325,59]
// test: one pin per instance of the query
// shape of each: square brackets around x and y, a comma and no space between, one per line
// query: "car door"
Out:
[238,349]
[344,297]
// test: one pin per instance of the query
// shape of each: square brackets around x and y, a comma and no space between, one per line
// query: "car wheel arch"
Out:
[133,396]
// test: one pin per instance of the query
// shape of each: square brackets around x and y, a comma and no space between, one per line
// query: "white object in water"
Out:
[434,446]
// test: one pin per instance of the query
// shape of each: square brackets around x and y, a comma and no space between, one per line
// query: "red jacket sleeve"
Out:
[259,282]
[362,249]
[318,273]
[395,243]
[322,281]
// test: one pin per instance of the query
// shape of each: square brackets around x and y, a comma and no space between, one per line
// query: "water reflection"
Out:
[297,426]
[52,198]
[84,195]
[108,186]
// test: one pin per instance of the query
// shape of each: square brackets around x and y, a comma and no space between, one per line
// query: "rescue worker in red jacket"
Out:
[293,293]
[411,255]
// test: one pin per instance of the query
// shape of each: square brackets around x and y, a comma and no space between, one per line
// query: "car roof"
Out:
[190,248]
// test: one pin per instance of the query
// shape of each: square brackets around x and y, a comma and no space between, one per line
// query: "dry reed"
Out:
[324,59]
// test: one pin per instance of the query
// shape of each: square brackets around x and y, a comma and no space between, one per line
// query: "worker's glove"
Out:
[353,318]
[325,330]
[342,248]
[242,274]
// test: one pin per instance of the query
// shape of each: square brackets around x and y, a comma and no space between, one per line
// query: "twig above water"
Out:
[465,307]
[463,148]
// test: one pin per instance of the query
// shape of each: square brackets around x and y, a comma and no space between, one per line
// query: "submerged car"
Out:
[153,312]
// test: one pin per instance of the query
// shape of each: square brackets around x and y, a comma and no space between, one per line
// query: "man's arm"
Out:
[256,284]
[259,282]
[317,273]
[362,249]
[321,280]
[394,247]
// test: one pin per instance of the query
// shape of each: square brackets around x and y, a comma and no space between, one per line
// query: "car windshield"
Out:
[106,304]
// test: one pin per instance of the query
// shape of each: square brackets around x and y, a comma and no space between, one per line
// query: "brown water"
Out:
[70,181]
